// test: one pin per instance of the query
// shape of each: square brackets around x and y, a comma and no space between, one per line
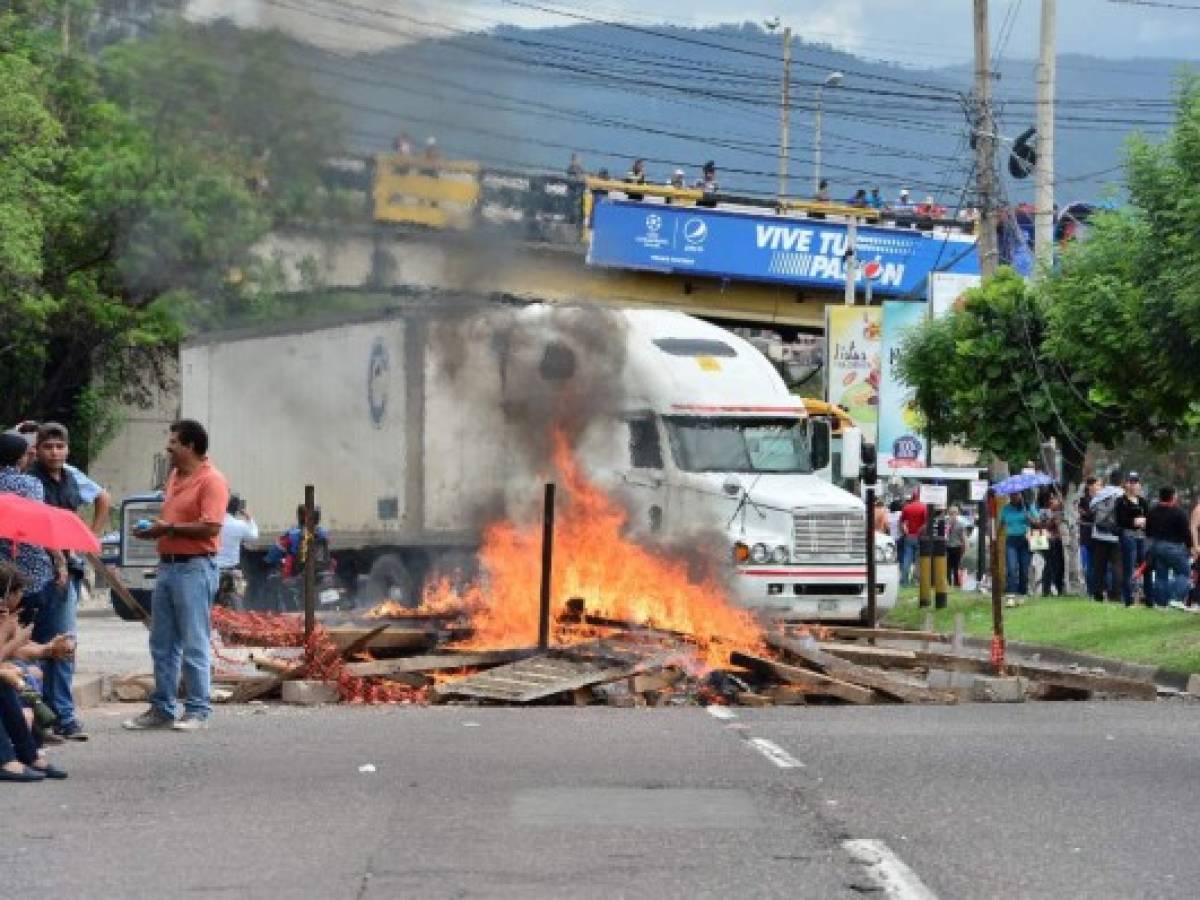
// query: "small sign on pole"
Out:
[934,494]
[979,488]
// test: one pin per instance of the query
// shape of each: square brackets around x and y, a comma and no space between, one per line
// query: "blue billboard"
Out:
[756,246]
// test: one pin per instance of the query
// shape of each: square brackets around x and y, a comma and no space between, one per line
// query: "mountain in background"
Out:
[678,97]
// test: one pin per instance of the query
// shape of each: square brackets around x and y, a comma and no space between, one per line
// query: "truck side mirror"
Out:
[851,453]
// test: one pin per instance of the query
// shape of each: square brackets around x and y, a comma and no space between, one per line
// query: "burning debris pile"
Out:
[640,625]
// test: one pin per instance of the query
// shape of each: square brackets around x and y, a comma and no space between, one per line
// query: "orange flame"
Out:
[616,577]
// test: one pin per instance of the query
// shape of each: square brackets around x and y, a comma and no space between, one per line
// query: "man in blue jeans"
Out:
[65,487]
[1170,537]
[188,537]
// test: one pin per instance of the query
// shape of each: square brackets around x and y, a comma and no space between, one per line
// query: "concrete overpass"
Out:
[381,257]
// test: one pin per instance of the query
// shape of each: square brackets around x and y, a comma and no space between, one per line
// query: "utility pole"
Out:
[785,93]
[985,146]
[1043,205]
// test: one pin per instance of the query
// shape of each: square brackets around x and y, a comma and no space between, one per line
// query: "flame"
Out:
[616,577]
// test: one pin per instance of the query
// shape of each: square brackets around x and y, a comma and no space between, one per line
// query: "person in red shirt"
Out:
[912,522]
[188,535]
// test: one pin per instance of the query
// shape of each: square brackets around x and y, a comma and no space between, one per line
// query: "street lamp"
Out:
[833,79]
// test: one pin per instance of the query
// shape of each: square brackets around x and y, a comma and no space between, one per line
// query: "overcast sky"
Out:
[912,32]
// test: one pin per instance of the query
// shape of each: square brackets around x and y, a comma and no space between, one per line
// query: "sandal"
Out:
[29,774]
[50,771]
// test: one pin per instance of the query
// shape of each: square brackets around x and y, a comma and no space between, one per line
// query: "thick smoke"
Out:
[518,376]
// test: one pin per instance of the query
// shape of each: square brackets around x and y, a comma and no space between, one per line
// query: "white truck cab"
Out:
[713,442]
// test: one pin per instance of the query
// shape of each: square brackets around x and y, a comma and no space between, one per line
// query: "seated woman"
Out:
[21,755]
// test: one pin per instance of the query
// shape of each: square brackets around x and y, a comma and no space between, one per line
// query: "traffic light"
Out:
[869,473]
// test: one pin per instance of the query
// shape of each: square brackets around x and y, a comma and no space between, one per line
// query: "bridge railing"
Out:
[461,195]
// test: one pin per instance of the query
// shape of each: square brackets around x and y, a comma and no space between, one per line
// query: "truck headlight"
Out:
[759,554]
[885,553]
[779,555]
[741,553]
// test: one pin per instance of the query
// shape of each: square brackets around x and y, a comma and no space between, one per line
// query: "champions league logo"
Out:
[906,451]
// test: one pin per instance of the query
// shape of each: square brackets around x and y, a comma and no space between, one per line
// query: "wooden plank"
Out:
[390,638]
[252,690]
[436,662]
[532,679]
[888,685]
[1076,681]
[885,634]
[749,698]
[814,682]
[786,695]
[654,681]
[115,584]
[867,655]
[357,645]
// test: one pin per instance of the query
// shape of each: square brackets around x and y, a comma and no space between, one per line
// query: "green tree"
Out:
[983,377]
[1124,309]
[134,187]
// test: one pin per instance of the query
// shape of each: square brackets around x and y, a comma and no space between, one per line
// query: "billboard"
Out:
[853,336]
[946,288]
[761,246]
[902,442]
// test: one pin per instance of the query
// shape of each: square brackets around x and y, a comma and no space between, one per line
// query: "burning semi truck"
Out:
[691,482]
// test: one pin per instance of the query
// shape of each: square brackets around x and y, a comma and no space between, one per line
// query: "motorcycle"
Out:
[286,592]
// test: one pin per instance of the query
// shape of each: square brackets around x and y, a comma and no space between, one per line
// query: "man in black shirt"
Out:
[1171,548]
[1131,512]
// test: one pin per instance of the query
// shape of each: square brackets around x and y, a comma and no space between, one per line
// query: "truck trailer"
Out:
[420,424]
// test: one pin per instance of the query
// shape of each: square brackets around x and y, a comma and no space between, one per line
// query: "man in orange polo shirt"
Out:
[188,535]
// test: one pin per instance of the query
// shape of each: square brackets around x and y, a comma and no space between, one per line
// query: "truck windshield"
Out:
[740,445]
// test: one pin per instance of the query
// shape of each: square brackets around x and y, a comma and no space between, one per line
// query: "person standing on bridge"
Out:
[188,535]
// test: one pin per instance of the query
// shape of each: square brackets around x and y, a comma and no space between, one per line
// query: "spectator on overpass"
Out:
[678,179]
[575,168]
[636,175]
[402,145]
[875,201]
[859,199]
[823,191]
[708,184]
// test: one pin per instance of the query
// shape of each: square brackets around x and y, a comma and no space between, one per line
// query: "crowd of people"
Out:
[41,588]
[1134,552]
[1131,551]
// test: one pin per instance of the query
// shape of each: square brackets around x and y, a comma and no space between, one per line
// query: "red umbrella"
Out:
[32,522]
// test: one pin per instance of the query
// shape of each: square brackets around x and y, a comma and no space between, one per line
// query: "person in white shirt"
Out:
[238,526]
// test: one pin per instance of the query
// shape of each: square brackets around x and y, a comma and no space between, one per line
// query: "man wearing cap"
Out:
[1131,512]
[65,487]
[188,535]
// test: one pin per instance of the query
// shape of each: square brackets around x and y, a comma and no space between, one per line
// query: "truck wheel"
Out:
[389,579]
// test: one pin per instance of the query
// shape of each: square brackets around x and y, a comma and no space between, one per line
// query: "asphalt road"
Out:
[1036,800]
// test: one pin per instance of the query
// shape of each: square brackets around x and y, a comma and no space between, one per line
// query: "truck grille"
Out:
[829,536]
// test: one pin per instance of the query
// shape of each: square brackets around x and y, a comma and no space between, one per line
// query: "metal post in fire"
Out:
[547,565]
[310,561]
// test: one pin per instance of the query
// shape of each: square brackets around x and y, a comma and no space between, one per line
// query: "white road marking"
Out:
[775,754]
[888,871]
[720,712]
